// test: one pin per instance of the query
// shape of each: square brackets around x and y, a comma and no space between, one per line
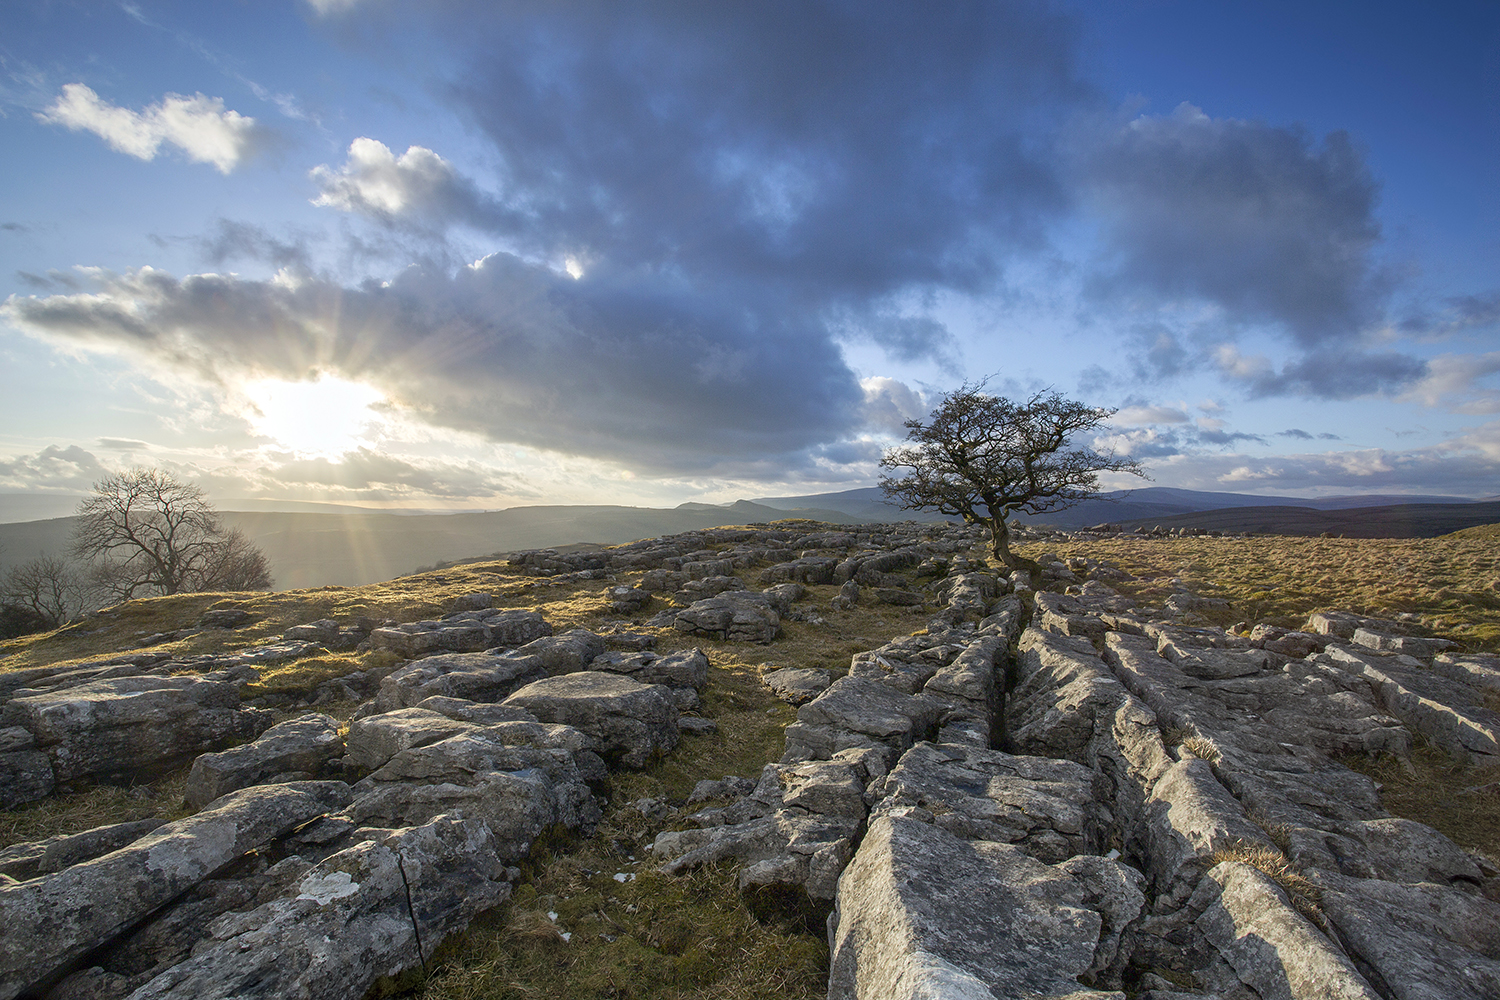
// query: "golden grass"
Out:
[1452,582]
[93,806]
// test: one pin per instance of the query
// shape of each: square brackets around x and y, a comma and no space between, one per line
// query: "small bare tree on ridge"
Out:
[148,533]
[983,457]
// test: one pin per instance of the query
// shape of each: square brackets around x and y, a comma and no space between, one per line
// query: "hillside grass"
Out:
[1452,583]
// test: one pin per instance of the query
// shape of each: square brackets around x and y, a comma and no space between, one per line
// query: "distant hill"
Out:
[355,547]
[1407,520]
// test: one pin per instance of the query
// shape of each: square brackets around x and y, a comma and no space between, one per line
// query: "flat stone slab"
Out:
[632,722]
[375,739]
[303,744]
[735,616]
[796,685]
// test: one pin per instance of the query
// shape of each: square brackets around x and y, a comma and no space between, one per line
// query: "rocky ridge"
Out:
[1042,794]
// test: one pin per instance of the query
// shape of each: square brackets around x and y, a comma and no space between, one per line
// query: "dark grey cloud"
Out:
[1302,435]
[821,156]
[506,348]
[1336,375]
[1208,435]
[1261,220]
[233,240]
[1458,314]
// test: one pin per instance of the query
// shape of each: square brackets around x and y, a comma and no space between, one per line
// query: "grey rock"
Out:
[473,602]
[472,676]
[375,739]
[51,921]
[796,685]
[1422,649]
[566,652]
[632,722]
[133,724]
[627,600]
[479,713]
[43,857]
[347,922]
[784,595]
[922,913]
[734,616]
[1422,940]
[1270,946]
[25,774]
[681,669]
[515,628]
[869,708]
[305,744]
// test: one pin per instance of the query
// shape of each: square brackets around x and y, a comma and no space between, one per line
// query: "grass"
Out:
[1452,582]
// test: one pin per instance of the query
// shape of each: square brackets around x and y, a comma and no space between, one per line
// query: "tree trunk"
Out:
[1000,546]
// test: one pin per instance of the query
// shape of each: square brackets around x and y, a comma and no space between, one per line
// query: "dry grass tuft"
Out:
[96,805]
[1275,865]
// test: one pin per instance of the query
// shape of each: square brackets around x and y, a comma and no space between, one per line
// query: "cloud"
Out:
[1345,374]
[836,159]
[1466,465]
[1459,315]
[418,188]
[233,240]
[1301,435]
[53,467]
[1260,220]
[624,371]
[123,444]
[366,473]
[197,125]
[1137,416]
[1455,382]
[889,403]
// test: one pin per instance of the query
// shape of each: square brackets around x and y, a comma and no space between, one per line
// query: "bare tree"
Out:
[148,533]
[982,458]
[47,587]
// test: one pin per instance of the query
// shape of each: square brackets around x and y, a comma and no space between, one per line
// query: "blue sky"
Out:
[480,255]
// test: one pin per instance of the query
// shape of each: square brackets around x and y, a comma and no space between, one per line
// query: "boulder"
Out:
[51,921]
[471,676]
[126,725]
[304,745]
[686,668]
[736,616]
[43,857]
[797,685]
[922,913]
[565,653]
[375,739]
[632,722]
[25,771]
[375,909]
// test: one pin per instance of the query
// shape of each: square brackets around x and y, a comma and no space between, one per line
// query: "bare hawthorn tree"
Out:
[148,533]
[983,457]
[47,588]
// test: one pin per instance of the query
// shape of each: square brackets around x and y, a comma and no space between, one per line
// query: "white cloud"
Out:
[889,403]
[197,125]
[1454,382]
[417,188]
[1139,416]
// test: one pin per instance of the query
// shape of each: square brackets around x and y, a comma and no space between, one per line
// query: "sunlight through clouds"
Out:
[326,418]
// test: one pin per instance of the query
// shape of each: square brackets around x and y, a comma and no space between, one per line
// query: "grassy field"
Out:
[592,919]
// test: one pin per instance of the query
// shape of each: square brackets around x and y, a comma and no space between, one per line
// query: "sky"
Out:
[481,255]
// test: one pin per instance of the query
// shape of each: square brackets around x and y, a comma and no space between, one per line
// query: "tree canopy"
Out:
[146,532]
[983,457]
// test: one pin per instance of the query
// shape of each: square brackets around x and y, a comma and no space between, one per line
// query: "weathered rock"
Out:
[899,597]
[874,710]
[686,668]
[736,616]
[43,857]
[420,639]
[632,722]
[784,595]
[922,913]
[372,910]
[1421,940]
[625,600]
[519,791]
[515,628]
[25,772]
[53,920]
[1270,946]
[796,685]
[1422,649]
[472,676]
[375,739]
[1052,809]
[132,724]
[303,744]
[479,713]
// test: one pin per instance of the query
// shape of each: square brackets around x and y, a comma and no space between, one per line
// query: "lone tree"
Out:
[148,533]
[984,457]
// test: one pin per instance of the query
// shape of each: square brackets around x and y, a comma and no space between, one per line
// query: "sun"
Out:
[325,418]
